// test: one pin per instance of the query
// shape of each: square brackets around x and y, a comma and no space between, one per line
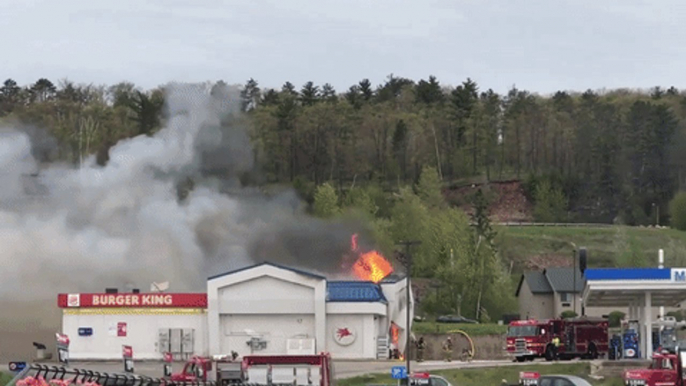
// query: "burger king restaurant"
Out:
[98,325]
[263,309]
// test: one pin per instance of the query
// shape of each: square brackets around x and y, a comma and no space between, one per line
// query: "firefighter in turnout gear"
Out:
[420,349]
[556,347]
[448,349]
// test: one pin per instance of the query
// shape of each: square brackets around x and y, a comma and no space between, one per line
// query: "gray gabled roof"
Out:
[556,279]
[561,279]
[537,282]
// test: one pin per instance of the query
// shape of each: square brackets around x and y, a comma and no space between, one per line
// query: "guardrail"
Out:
[554,224]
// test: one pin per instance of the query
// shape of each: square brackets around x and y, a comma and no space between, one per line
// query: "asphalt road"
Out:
[343,369]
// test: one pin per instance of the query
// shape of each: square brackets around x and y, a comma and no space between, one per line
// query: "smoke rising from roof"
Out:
[123,223]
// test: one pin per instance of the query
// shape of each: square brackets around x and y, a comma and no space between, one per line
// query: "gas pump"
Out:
[631,339]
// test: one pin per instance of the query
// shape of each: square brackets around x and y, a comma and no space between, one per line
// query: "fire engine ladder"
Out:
[382,349]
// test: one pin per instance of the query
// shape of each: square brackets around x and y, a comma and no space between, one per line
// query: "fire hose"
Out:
[471,342]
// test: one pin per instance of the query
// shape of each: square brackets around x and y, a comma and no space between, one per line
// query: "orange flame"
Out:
[395,333]
[371,266]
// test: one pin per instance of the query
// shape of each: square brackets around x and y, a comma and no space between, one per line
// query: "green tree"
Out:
[147,110]
[250,95]
[430,189]
[309,94]
[677,211]
[480,219]
[551,203]
[325,201]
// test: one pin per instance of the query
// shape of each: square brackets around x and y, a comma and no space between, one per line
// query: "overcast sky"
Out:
[539,45]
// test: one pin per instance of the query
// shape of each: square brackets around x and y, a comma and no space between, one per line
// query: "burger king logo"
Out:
[73,300]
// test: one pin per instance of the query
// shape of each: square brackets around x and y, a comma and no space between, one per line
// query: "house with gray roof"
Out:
[547,294]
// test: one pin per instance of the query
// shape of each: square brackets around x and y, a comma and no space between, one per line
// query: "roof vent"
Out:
[111,290]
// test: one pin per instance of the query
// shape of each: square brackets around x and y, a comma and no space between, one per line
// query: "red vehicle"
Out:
[579,338]
[260,369]
[666,369]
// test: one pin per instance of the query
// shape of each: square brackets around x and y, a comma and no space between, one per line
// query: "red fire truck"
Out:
[579,338]
[260,369]
[666,369]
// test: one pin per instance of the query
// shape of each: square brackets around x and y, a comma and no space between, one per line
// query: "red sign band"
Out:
[126,300]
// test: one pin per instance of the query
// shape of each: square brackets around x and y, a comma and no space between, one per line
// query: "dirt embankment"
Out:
[486,347]
[507,201]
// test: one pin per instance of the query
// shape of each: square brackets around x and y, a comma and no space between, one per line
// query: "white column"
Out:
[648,322]
[320,316]
[214,334]
[661,260]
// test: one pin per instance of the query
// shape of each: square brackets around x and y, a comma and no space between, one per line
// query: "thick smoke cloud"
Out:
[123,224]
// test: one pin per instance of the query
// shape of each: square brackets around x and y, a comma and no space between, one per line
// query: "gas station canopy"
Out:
[627,287]
[639,289]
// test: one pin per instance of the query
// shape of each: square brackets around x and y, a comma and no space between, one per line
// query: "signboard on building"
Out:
[127,353]
[132,300]
[168,358]
[121,329]
[62,348]
[344,335]
[679,274]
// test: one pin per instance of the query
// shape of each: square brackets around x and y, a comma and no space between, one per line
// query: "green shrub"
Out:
[568,314]
[615,318]
[677,210]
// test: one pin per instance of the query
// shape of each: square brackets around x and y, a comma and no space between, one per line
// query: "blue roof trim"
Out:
[354,291]
[628,274]
[298,271]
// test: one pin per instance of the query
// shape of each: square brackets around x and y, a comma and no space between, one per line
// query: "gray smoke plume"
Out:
[95,226]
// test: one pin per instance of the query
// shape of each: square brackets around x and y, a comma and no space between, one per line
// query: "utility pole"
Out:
[574,273]
[406,260]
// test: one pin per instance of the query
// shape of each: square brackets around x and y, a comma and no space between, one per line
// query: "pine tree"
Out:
[480,220]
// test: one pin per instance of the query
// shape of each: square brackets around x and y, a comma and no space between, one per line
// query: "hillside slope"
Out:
[537,247]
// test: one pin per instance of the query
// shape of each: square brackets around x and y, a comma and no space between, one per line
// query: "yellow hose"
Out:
[471,343]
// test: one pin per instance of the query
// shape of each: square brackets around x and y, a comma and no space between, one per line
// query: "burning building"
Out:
[288,311]
[265,308]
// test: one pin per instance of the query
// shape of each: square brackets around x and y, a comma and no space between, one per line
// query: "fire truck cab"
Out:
[666,369]
[579,338]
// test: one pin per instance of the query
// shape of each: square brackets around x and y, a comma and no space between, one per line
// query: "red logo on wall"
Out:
[121,329]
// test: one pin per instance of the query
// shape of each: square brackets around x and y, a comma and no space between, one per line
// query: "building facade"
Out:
[98,325]
[263,309]
[286,311]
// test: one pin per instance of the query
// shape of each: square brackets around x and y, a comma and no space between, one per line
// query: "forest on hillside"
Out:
[386,154]
[610,156]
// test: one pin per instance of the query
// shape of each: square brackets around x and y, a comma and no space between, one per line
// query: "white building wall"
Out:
[275,329]
[264,294]
[264,291]
[364,346]
[142,334]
